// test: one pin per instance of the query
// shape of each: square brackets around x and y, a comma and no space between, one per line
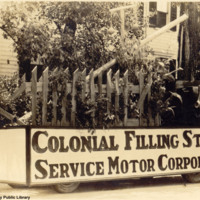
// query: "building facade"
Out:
[8,58]
[160,14]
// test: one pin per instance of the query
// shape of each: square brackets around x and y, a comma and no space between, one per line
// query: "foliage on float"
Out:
[95,114]
[82,35]
[18,107]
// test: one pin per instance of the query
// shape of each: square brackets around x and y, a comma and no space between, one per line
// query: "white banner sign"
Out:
[65,155]
[13,155]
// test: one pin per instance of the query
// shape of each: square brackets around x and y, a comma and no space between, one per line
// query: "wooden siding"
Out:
[8,58]
[165,45]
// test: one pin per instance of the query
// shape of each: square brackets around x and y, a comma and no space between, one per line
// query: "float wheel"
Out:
[66,187]
[192,178]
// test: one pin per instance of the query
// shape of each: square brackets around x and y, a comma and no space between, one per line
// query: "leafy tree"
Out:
[78,35]
[64,34]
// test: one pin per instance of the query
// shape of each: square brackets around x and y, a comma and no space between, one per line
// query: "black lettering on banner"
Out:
[186,162]
[199,162]
[197,136]
[62,147]
[143,165]
[163,141]
[86,143]
[194,162]
[74,168]
[75,144]
[53,173]
[113,147]
[35,144]
[174,143]
[113,164]
[133,162]
[95,143]
[141,142]
[171,164]
[88,168]
[103,144]
[53,144]
[187,138]
[90,143]
[150,165]
[179,163]
[99,168]
[82,169]
[160,162]
[41,169]
[124,166]
[64,170]
[151,145]
[128,139]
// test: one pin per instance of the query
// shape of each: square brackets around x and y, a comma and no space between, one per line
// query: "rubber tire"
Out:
[192,178]
[66,187]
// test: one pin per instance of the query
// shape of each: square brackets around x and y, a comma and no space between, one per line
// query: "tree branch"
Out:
[58,26]
[3,29]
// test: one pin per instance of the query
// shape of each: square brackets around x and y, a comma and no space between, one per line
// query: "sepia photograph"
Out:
[99,100]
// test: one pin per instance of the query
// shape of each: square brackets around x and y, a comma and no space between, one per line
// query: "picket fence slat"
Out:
[23,79]
[139,104]
[100,95]
[116,77]
[125,97]
[54,101]
[44,96]
[54,110]
[157,120]
[83,82]
[91,83]
[115,90]
[109,90]
[21,89]
[150,117]
[73,112]
[92,93]
[64,121]
[34,95]
[100,89]
[143,95]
